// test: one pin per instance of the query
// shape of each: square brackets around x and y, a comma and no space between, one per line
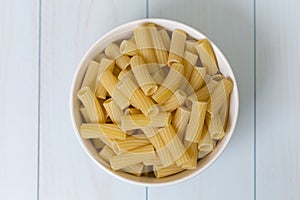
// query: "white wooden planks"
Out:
[19,99]
[68,30]
[230,25]
[278,97]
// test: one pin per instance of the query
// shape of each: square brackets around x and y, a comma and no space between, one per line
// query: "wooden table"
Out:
[41,43]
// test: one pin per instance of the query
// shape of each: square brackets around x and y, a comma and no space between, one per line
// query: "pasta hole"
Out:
[151,90]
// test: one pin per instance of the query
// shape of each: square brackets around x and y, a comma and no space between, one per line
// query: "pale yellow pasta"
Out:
[224,112]
[137,97]
[161,172]
[203,94]
[197,79]
[132,157]
[86,129]
[155,161]
[113,52]
[89,79]
[84,114]
[105,64]
[125,74]
[128,48]
[170,84]
[192,150]
[195,126]
[174,101]
[109,82]
[177,46]
[207,56]
[202,154]
[136,169]
[219,96]
[144,44]
[98,144]
[189,62]
[165,38]
[137,121]
[215,127]
[162,152]
[99,57]
[190,46]
[180,121]
[142,75]
[153,67]
[174,145]
[206,143]
[131,142]
[111,131]
[157,78]
[106,153]
[113,110]
[93,108]
[160,50]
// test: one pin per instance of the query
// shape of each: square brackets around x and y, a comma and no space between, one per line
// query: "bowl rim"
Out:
[188,29]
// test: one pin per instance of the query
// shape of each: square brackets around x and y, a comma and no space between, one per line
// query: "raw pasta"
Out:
[146,106]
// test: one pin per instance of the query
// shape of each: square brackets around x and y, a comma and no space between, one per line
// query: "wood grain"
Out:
[230,25]
[278,97]
[68,29]
[19,99]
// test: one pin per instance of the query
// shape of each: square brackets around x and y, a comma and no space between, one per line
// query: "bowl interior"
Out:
[125,32]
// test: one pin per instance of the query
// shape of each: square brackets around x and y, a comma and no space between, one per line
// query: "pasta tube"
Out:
[192,149]
[136,169]
[177,46]
[215,127]
[109,82]
[174,145]
[111,131]
[142,75]
[106,153]
[144,44]
[105,64]
[174,101]
[219,96]
[160,50]
[166,171]
[113,111]
[131,142]
[180,121]
[206,143]
[128,48]
[113,52]
[93,109]
[207,56]
[195,126]
[162,152]
[165,38]
[132,157]
[170,84]
[89,79]
[137,97]
[137,121]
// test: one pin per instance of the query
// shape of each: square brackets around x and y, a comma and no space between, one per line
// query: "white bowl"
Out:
[125,31]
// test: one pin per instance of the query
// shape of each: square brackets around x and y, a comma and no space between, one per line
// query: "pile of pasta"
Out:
[154,104]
